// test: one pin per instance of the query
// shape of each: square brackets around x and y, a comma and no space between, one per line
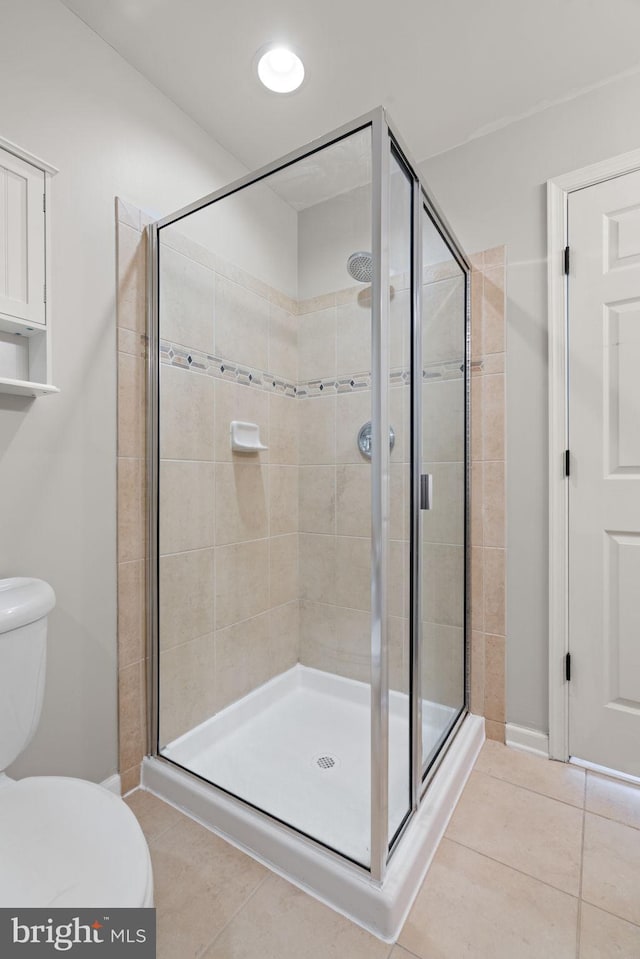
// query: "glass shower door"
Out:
[401,187]
[264,523]
[443,489]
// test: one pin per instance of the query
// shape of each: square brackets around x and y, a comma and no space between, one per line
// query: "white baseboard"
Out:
[529,740]
[113,784]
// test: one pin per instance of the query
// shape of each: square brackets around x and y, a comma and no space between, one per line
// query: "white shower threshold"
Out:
[298,749]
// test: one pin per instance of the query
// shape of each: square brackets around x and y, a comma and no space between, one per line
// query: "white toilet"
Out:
[63,842]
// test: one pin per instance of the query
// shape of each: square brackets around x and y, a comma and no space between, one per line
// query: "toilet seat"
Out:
[67,842]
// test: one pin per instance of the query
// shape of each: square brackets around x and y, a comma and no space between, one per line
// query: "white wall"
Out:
[492,190]
[69,98]
[328,233]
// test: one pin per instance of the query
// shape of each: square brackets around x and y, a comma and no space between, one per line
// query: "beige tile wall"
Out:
[488,540]
[132,346]
[332,524]
[273,564]
[335,566]
[228,532]
[443,402]
[335,491]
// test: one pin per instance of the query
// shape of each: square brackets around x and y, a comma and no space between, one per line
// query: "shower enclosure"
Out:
[308,452]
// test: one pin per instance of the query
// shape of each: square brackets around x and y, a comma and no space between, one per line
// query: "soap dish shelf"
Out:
[245,437]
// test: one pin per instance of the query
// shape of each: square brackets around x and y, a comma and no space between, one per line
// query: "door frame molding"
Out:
[558,190]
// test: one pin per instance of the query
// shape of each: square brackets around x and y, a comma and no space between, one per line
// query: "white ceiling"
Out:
[446,70]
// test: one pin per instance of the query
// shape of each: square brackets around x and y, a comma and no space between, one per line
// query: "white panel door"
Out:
[604,482]
[22,240]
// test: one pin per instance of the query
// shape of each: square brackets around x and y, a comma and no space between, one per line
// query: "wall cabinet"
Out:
[25,249]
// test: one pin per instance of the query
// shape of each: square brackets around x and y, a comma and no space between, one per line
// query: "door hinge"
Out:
[567,463]
[44,292]
[567,667]
[44,202]
[567,260]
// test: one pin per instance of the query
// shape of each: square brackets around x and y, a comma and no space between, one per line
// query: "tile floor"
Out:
[540,861]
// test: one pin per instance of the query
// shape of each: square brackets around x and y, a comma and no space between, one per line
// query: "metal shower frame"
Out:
[385,143]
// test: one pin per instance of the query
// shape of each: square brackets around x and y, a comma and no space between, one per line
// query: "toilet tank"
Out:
[24,606]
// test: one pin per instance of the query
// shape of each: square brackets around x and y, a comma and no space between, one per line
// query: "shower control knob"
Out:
[365,439]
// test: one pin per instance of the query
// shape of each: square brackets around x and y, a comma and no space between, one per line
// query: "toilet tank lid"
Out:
[24,600]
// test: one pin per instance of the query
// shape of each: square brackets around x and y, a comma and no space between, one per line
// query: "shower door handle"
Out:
[426,490]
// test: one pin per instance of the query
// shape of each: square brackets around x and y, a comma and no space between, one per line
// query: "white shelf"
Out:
[25,388]
[13,324]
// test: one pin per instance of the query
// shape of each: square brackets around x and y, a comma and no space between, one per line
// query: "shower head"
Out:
[360,267]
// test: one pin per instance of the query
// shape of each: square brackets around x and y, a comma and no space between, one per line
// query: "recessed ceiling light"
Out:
[280,69]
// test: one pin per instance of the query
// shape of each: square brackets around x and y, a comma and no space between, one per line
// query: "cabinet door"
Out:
[22,241]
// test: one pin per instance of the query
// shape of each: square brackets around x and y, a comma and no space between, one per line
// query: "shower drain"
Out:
[325,761]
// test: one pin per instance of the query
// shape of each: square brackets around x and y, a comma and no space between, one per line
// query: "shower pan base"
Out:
[299,748]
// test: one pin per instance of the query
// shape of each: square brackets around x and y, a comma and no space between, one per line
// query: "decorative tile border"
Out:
[331,385]
[448,370]
[196,361]
[172,354]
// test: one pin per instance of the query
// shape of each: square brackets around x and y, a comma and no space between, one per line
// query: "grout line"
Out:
[536,792]
[164,832]
[237,912]
[196,549]
[600,772]
[409,952]
[509,866]
[167,829]
[618,822]
[217,629]
[584,820]
[615,915]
